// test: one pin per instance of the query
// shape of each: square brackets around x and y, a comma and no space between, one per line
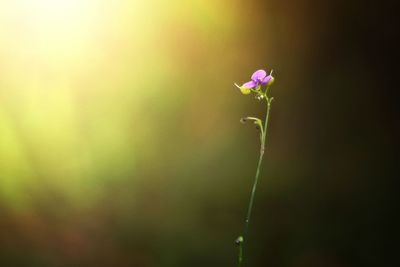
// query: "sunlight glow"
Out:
[51,30]
[56,11]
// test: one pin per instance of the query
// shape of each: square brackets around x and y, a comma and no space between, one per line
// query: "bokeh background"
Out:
[120,141]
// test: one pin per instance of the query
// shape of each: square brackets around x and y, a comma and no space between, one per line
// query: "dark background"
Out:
[338,208]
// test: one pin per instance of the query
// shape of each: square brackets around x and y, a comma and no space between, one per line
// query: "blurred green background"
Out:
[120,141]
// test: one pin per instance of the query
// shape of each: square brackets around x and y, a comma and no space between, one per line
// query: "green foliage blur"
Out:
[120,141]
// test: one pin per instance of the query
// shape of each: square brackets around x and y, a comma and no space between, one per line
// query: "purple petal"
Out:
[266,79]
[258,75]
[250,84]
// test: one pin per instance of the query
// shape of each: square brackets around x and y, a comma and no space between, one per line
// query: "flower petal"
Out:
[266,79]
[250,84]
[258,75]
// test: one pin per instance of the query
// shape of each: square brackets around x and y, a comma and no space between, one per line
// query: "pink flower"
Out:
[258,78]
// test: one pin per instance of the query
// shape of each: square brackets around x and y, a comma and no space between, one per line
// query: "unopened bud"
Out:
[271,81]
[243,90]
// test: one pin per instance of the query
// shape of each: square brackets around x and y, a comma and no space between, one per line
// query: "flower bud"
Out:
[244,90]
[271,81]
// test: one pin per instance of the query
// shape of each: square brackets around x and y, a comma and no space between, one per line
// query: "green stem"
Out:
[253,191]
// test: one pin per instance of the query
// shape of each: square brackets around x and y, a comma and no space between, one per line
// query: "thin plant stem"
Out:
[254,188]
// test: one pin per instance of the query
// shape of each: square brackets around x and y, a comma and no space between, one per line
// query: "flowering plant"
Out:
[255,85]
